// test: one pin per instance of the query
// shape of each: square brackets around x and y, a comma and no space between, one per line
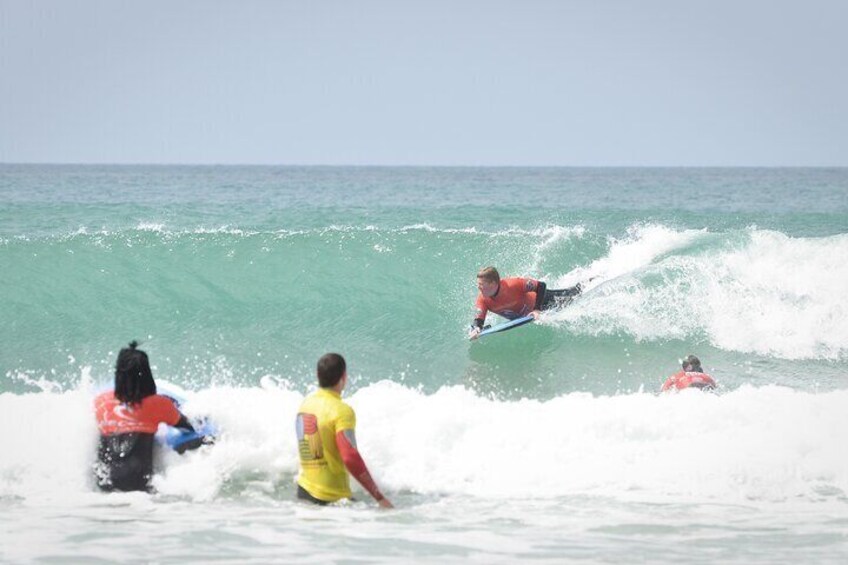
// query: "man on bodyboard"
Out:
[515,297]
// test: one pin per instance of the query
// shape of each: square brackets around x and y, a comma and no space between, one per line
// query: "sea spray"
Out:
[768,443]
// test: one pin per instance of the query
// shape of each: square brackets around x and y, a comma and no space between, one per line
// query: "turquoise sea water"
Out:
[546,442]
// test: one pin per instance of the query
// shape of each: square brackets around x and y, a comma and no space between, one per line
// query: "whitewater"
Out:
[547,443]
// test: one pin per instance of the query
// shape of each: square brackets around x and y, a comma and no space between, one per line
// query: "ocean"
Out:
[547,443]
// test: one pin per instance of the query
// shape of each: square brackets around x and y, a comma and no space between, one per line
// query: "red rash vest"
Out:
[686,379]
[114,417]
[516,297]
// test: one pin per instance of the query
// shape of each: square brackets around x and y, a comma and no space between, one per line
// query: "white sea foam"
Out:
[157,227]
[768,443]
[547,232]
[767,293]
[642,245]
[549,237]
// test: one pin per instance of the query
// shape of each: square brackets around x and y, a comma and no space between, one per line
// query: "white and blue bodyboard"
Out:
[507,325]
[179,439]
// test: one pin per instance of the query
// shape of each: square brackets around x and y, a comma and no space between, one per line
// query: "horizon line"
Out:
[406,166]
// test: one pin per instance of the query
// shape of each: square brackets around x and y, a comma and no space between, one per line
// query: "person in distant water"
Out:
[692,376]
[327,442]
[515,297]
[127,418]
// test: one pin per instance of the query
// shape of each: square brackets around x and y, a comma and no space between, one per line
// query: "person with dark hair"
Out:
[515,297]
[327,442]
[128,418]
[692,376]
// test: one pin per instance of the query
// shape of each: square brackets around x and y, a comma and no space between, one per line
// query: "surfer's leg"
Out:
[560,297]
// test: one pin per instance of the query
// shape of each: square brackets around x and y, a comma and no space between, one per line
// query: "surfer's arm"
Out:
[164,409]
[475,329]
[346,442]
[540,295]
[184,424]
[479,319]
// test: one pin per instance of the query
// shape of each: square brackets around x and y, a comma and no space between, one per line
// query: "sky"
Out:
[431,82]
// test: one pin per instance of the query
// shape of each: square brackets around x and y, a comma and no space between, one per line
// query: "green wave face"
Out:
[231,274]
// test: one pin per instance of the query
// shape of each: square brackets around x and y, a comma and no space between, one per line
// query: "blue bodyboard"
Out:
[507,325]
[179,439]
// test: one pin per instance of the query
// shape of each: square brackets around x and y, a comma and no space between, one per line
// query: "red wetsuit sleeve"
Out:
[705,381]
[480,308]
[356,466]
[528,289]
[525,285]
[162,409]
[673,381]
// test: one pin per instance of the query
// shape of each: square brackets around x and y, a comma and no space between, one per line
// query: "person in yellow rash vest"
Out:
[327,442]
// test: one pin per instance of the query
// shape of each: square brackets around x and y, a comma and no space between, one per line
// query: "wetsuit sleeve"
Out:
[671,381]
[164,410]
[480,311]
[540,295]
[529,285]
[184,423]
[346,442]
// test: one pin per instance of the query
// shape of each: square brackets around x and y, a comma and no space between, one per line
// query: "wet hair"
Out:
[133,378]
[331,367]
[490,274]
[692,363]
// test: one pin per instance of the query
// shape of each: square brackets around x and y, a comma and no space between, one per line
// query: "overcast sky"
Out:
[574,83]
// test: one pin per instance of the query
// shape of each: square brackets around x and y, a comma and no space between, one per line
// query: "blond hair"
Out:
[490,274]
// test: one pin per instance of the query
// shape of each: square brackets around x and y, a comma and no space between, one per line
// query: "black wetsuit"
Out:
[303,494]
[125,461]
[549,298]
